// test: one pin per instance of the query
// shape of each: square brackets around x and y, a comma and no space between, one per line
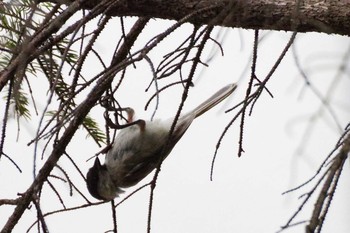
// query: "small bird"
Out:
[138,149]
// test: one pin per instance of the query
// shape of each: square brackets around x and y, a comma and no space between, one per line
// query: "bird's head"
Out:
[99,182]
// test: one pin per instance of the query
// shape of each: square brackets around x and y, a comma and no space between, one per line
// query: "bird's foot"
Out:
[130,116]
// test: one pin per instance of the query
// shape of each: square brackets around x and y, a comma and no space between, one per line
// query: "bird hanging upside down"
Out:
[139,148]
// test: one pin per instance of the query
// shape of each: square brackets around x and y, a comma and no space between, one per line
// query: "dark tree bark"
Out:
[287,15]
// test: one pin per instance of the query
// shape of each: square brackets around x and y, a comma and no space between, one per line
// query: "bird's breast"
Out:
[133,147]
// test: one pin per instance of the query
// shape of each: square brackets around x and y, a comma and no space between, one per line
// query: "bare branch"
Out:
[80,113]
[317,15]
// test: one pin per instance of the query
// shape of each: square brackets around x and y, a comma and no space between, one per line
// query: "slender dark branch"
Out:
[86,51]
[248,91]
[58,195]
[196,61]
[251,100]
[26,54]
[131,194]
[5,119]
[338,145]
[162,89]
[40,216]
[330,178]
[67,210]
[327,190]
[114,215]
[154,74]
[81,111]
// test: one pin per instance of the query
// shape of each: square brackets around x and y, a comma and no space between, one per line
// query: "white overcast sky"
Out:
[245,195]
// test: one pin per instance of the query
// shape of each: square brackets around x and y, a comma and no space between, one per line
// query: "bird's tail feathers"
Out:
[215,99]
[185,121]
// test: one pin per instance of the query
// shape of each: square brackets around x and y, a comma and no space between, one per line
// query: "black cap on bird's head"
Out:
[93,179]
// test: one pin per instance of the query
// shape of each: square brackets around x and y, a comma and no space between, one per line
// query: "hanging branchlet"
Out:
[325,181]
[191,73]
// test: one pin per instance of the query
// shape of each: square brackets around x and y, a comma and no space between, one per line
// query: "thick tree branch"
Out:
[24,56]
[314,15]
[80,113]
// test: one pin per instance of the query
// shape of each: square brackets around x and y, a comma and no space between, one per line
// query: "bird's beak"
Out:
[97,164]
